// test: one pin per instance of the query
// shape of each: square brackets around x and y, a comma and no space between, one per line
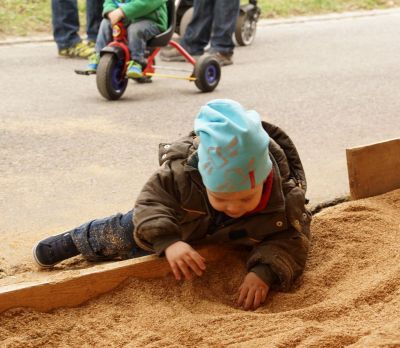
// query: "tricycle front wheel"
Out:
[109,77]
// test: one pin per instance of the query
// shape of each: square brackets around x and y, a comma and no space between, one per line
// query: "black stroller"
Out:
[246,23]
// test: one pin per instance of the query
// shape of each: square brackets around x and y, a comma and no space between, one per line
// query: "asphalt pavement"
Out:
[67,155]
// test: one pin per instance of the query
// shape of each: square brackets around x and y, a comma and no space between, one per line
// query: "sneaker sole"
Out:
[73,56]
[41,265]
[134,76]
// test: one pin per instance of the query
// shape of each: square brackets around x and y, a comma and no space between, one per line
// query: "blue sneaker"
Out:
[93,63]
[134,70]
[52,250]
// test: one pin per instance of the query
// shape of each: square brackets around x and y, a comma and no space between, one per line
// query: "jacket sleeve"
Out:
[157,212]
[138,8]
[280,258]
[108,6]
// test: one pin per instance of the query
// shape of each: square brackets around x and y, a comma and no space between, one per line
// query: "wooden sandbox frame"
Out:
[70,288]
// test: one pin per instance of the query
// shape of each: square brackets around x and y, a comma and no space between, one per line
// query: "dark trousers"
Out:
[65,19]
[107,239]
[213,21]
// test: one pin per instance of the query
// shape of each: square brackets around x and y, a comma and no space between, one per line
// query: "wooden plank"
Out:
[72,288]
[374,169]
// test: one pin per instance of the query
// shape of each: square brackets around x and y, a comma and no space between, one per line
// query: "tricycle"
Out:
[111,76]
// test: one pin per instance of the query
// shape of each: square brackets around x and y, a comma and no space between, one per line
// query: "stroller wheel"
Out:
[186,18]
[245,31]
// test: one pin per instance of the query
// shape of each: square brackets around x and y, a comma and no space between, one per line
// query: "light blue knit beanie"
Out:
[233,150]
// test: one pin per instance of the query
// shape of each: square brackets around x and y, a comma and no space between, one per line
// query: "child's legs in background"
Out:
[138,35]
[104,37]
[94,9]
[108,238]
[65,22]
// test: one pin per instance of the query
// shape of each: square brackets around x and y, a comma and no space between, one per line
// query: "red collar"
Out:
[265,195]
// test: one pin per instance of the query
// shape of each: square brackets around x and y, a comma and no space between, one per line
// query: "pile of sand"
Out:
[349,295]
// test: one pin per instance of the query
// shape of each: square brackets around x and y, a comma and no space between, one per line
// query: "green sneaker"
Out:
[94,60]
[80,50]
[134,70]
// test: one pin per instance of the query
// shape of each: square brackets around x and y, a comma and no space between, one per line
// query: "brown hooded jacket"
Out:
[173,206]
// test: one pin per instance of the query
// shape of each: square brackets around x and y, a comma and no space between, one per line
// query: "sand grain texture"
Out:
[349,296]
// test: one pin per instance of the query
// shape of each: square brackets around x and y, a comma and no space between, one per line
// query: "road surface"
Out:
[67,155]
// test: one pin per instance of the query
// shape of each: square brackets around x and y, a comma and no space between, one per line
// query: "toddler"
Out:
[143,19]
[234,179]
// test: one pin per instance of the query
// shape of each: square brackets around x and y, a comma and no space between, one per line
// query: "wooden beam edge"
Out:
[351,174]
[362,178]
[75,287]
[362,147]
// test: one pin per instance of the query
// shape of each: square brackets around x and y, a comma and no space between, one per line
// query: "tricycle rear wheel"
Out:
[185,20]
[207,72]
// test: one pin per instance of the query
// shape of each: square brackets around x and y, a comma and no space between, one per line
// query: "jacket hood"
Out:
[184,148]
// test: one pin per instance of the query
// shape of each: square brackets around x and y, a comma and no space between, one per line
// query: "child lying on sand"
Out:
[234,179]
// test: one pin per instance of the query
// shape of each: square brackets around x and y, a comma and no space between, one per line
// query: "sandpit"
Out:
[349,296]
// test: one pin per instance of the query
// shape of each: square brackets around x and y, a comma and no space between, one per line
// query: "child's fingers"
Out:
[257,299]
[200,260]
[175,270]
[243,290]
[194,266]
[263,295]
[184,269]
[249,299]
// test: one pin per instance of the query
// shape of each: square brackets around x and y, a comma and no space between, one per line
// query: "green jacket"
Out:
[173,206]
[135,10]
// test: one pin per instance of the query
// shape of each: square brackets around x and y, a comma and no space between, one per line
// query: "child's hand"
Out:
[252,292]
[184,260]
[115,16]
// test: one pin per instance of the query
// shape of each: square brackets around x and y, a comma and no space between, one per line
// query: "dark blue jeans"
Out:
[213,21]
[65,19]
[138,35]
[107,239]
